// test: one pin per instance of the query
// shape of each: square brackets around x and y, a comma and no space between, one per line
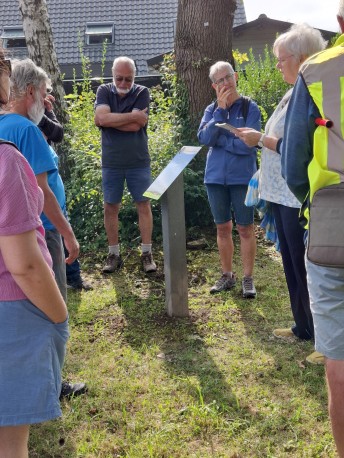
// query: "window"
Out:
[98,32]
[13,37]
[174,28]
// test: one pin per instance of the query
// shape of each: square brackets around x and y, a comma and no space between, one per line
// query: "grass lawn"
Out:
[216,384]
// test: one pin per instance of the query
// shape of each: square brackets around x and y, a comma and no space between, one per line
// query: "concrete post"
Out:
[174,243]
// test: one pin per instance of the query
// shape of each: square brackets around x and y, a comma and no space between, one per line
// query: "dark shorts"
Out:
[222,199]
[56,250]
[138,181]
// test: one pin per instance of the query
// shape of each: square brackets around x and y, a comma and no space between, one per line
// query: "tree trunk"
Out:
[203,37]
[40,44]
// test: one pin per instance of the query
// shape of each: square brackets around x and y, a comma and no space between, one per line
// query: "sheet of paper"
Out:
[229,127]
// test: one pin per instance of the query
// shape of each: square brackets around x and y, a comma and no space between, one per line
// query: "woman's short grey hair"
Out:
[301,40]
[24,73]
[341,9]
[219,66]
[124,60]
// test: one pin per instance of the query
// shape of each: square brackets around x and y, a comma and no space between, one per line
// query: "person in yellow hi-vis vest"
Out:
[312,159]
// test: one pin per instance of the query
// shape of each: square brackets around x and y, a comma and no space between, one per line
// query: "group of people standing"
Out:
[33,285]
[37,240]
[33,313]
[231,163]
[299,156]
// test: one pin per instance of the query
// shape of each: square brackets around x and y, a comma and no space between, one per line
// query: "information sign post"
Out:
[169,186]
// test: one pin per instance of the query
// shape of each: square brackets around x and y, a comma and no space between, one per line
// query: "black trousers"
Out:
[291,238]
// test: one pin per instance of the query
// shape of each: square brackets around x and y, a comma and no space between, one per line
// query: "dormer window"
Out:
[97,32]
[13,37]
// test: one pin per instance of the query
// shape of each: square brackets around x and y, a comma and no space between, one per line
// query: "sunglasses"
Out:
[5,64]
[119,79]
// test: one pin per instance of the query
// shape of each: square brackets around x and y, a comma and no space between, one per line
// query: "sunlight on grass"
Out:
[216,384]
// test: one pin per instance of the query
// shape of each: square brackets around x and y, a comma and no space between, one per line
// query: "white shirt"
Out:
[272,186]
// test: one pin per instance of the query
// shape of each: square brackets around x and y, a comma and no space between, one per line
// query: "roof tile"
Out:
[143,28]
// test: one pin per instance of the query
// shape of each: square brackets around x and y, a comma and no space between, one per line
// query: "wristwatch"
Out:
[261,141]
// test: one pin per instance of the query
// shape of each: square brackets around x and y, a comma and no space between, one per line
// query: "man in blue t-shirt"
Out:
[29,85]
[121,111]
[19,125]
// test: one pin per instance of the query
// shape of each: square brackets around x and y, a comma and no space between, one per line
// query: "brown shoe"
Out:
[113,263]
[284,334]
[316,358]
[147,262]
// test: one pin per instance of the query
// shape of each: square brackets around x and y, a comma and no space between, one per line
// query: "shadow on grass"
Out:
[272,310]
[181,345]
[221,362]
[47,438]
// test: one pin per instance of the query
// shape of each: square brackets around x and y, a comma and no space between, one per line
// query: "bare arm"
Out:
[53,212]
[25,262]
[251,138]
[132,121]
[271,143]
[132,127]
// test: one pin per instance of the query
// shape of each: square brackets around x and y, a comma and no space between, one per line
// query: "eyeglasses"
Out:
[281,61]
[224,79]
[119,79]
[5,64]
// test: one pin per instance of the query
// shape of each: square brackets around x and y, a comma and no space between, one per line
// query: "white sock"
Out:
[146,247]
[228,274]
[114,249]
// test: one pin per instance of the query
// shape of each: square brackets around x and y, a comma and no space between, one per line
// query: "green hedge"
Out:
[168,129]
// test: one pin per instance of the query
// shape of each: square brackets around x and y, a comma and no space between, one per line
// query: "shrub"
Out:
[168,129]
[262,81]
[83,188]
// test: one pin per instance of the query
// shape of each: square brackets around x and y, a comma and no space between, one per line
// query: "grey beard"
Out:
[35,113]
[124,91]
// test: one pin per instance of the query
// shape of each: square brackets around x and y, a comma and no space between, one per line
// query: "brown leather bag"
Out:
[326,227]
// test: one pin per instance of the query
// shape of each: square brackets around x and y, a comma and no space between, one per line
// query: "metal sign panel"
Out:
[171,172]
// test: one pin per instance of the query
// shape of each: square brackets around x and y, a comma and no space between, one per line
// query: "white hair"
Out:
[217,67]
[24,73]
[341,9]
[301,40]
[124,60]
